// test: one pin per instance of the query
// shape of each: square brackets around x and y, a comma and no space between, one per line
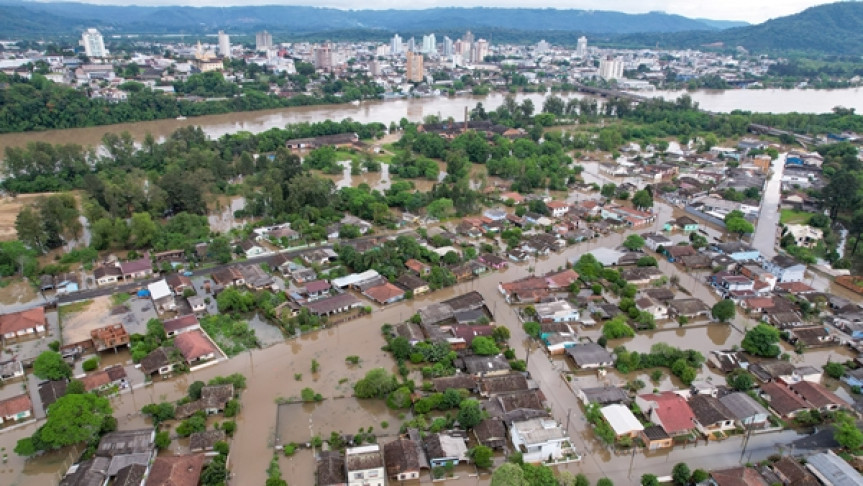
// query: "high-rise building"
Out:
[324,57]
[411,45]
[468,38]
[93,43]
[414,67]
[263,41]
[429,44]
[542,47]
[479,51]
[610,68]
[396,45]
[581,47]
[447,46]
[224,44]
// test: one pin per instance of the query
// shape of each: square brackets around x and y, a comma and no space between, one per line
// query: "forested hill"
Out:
[834,29]
[294,19]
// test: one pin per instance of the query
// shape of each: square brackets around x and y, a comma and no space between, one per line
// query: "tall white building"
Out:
[263,41]
[429,44]
[447,46]
[610,68]
[93,43]
[542,47]
[581,47]
[224,44]
[411,45]
[479,51]
[396,45]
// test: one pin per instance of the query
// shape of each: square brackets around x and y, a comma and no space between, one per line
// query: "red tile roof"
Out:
[15,405]
[385,292]
[176,471]
[783,400]
[193,345]
[316,286]
[20,321]
[672,410]
[816,394]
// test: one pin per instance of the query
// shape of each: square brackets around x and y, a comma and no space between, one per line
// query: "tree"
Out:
[740,380]
[508,474]
[469,413]
[649,480]
[633,242]
[400,347]
[604,482]
[724,310]
[376,384]
[49,365]
[72,419]
[846,433]
[194,390]
[699,476]
[532,328]
[680,474]
[642,199]
[142,230]
[736,223]
[500,334]
[834,370]
[163,440]
[484,346]
[617,328]
[762,340]
[481,456]
[159,412]
[440,208]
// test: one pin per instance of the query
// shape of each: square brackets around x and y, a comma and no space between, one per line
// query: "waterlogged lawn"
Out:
[233,336]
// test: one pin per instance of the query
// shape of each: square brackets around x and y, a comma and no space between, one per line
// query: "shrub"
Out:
[90,364]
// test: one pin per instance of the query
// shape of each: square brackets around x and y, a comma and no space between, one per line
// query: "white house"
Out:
[655,309]
[540,438]
[16,408]
[365,466]
[785,268]
[556,311]
[163,298]
[622,420]
[804,235]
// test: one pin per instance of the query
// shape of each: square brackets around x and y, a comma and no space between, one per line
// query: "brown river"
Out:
[270,372]
[414,109]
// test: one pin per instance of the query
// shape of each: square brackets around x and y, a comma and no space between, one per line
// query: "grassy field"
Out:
[74,308]
[791,216]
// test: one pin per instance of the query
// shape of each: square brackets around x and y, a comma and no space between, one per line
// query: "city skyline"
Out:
[729,10]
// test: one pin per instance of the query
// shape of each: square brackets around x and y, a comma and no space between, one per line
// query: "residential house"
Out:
[170,256]
[655,309]
[10,370]
[811,337]
[782,400]
[818,396]
[330,469]
[668,410]
[711,416]
[411,283]
[556,311]
[385,294]
[161,360]
[333,305]
[746,411]
[365,466]
[206,441]
[689,308]
[655,438]
[737,476]
[402,459]
[557,343]
[444,449]
[22,324]
[110,337]
[832,470]
[317,289]
[590,356]
[15,409]
[112,376]
[539,439]
[558,208]
[228,277]
[641,275]
[198,303]
[491,432]
[176,470]
[251,248]
[107,275]
[358,280]
[621,420]
[738,251]
[854,377]
[785,268]
[676,252]
[140,268]
[654,240]
[804,235]
[214,398]
[256,278]
[163,298]
[179,283]
[480,366]
[195,346]
[457,381]
[490,386]
[792,472]
[418,267]
[603,395]
[493,261]
[683,223]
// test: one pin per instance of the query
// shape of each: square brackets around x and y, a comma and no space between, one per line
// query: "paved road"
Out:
[764,239]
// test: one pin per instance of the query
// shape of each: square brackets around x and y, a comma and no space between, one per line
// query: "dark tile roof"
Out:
[709,410]
[400,456]
[330,469]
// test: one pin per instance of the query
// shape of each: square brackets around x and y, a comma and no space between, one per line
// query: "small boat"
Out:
[355,102]
[181,117]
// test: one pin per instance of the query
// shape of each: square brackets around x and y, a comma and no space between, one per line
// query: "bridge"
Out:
[804,140]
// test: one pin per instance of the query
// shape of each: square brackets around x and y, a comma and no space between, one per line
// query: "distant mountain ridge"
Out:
[295,19]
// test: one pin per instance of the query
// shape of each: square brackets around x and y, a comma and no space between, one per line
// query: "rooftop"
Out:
[176,470]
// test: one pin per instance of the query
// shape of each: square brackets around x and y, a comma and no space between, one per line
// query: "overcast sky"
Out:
[754,11]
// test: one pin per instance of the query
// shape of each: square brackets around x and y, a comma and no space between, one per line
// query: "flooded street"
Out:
[764,239]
